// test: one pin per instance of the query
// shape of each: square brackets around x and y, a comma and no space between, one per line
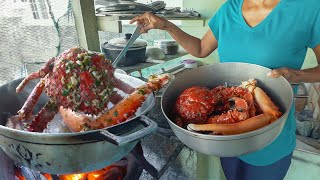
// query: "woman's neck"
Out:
[255,11]
[262,3]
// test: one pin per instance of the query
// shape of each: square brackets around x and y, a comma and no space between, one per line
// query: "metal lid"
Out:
[122,42]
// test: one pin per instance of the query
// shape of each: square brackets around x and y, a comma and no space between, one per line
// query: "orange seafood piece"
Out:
[263,100]
[247,125]
[195,104]
[118,113]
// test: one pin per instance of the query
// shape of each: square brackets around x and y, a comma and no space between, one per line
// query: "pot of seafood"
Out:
[243,127]
[62,151]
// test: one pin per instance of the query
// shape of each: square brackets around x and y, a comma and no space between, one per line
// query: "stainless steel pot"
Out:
[134,55]
[65,153]
[278,89]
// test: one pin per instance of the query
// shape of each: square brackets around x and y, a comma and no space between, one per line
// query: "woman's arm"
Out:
[296,76]
[195,46]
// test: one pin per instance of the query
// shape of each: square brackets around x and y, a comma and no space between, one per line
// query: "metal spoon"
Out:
[134,36]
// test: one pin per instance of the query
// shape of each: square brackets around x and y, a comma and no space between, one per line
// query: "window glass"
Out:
[31,32]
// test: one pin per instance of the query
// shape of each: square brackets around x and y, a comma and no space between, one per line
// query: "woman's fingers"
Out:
[278,72]
[146,28]
[137,19]
[289,74]
[273,74]
[145,18]
[149,21]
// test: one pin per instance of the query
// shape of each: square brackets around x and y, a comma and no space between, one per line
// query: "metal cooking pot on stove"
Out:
[65,153]
[134,55]
[211,76]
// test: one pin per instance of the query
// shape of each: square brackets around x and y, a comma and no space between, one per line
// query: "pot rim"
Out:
[237,136]
[26,136]
[123,41]
[110,47]
[65,135]
[230,137]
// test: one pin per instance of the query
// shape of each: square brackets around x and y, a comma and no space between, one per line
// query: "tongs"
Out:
[134,36]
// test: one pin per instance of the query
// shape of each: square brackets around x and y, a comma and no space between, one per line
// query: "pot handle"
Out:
[114,136]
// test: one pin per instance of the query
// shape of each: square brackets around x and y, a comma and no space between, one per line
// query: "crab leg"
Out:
[128,106]
[264,102]
[45,115]
[36,75]
[26,110]
[247,125]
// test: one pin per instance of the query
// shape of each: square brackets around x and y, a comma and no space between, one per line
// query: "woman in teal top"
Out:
[271,33]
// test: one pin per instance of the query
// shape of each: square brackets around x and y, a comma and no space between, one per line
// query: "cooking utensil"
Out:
[126,51]
[134,36]
[135,54]
[65,153]
[214,75]
[119,47]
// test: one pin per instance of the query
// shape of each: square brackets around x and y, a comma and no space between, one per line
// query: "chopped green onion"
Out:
[65,92]
[141,91]
[70,85]
[86,61]
[98,83]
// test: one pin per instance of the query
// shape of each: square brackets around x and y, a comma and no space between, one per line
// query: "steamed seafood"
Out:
[83,83]
[226,110]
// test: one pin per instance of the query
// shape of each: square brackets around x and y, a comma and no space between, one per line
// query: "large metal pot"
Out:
[64,153]
[134,55]
[233,74]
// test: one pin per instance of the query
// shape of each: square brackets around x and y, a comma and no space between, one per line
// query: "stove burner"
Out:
[134,162]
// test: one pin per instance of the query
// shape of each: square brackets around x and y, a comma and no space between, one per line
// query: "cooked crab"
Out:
[81,81]
[226,110]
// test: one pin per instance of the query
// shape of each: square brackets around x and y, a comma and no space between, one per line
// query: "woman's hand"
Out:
[150,21]
[289,74]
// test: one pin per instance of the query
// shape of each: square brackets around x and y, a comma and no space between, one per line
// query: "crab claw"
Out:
[120,112]
[238,104]
[263,100]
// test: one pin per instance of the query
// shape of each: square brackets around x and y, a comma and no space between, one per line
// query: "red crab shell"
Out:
[195,104]
[81,80]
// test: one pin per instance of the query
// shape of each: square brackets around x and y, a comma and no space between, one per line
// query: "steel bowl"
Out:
[66,153]
[278,89]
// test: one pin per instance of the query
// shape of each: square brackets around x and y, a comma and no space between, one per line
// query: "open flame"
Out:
[108,173]
[112,172]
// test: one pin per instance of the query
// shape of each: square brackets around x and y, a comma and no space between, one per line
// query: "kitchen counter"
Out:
[140,66]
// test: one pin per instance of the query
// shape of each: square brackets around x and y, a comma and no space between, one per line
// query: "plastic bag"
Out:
[306,125]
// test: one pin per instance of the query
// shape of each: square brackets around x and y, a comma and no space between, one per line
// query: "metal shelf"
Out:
[119,17]
[113,23]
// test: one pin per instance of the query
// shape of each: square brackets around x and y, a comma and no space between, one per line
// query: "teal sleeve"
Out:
[314,39]
[214,25]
